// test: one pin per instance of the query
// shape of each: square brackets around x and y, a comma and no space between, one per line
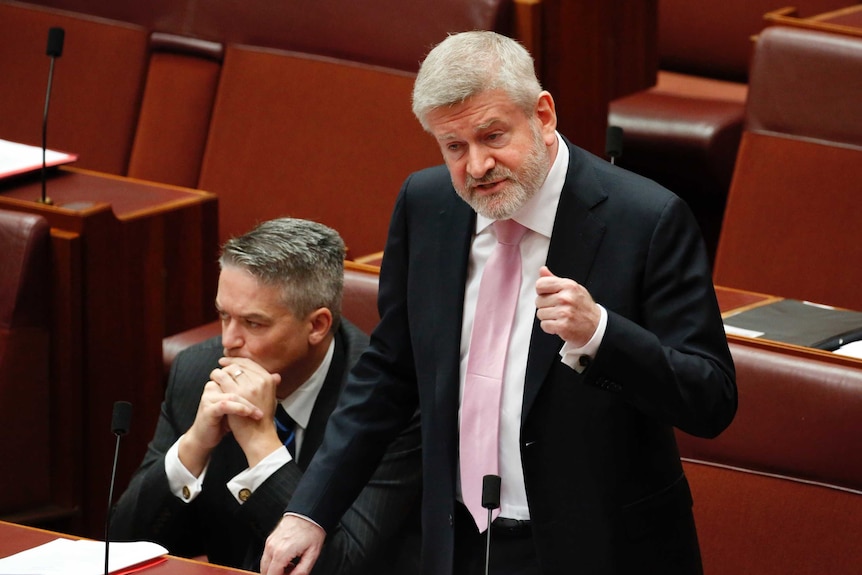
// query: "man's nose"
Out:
[231,338]
[479,162]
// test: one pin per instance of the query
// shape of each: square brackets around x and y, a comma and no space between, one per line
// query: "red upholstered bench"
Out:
[780,491]
[770,525]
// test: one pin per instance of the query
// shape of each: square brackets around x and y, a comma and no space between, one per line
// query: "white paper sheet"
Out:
[78,557]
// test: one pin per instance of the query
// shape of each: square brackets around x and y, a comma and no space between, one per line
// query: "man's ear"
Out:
[320,322]
[546,112]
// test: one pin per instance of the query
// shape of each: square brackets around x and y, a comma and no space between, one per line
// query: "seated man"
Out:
[223,463]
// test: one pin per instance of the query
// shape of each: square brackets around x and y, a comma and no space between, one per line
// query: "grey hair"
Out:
[469,63]
[304,258]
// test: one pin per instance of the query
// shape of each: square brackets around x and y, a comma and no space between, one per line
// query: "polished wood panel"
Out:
[592,53]
[133,263]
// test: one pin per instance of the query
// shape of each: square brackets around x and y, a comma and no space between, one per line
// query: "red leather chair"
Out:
[25,327]
[685,131]
[780,491]
[176,107]
[793,210]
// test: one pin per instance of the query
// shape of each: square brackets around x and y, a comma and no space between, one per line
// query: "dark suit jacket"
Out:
[605,485]
[232,534]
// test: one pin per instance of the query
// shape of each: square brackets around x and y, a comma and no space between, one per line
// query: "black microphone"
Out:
[490,501]
[55,42]
[120,426]
[614,142]
[54,50]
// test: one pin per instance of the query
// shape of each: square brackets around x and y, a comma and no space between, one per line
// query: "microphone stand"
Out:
[120,426]
[490,501]
[55,50]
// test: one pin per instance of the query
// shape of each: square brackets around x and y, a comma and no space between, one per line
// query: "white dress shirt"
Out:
[537,215]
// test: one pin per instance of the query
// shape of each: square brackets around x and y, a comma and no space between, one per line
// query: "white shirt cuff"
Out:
[309,519]
[181,481]
[246,481]
[578,358]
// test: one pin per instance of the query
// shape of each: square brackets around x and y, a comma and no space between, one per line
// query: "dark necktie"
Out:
[285,425]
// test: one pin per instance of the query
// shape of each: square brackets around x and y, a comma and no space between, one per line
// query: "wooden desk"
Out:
[731,300]
[846,21]
[133,262]
[16,538]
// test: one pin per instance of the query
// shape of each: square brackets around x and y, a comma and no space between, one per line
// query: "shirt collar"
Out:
[539,211]
[300,403]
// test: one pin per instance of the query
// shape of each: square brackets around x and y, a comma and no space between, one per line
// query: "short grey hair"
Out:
[469,63]
[304,258]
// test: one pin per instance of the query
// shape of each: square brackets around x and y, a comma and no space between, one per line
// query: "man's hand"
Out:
[246,379]
[565,308]
[295,541]
[219,401]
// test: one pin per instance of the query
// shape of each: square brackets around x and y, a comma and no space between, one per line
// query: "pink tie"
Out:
[480,406]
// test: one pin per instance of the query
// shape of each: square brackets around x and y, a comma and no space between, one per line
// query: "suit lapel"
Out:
[445,290]
[325,402]
[575,239]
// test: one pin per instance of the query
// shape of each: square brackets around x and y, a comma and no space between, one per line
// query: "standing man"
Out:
[615,339]
[245,412]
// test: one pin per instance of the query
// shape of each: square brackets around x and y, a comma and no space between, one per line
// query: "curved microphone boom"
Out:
[54,50]
[120,426]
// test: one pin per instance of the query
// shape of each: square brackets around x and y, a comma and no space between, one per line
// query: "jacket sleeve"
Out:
[670,357]
[379,513]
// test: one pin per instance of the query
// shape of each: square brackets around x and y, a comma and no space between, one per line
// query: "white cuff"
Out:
[181,481]
[309,519]
[578,358]
[246,481]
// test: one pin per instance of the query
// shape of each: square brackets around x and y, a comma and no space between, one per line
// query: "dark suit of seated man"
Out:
[217,475]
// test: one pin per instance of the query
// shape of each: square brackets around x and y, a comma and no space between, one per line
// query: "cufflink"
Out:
[186,492]
[585,361]
[244,494]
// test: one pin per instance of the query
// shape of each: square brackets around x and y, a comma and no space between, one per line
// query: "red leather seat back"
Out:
[359,302]
[97,84]
[754,523]
[176,108]
[713,39]
[25,305]
[797,417]
[303,136]
[794,208]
